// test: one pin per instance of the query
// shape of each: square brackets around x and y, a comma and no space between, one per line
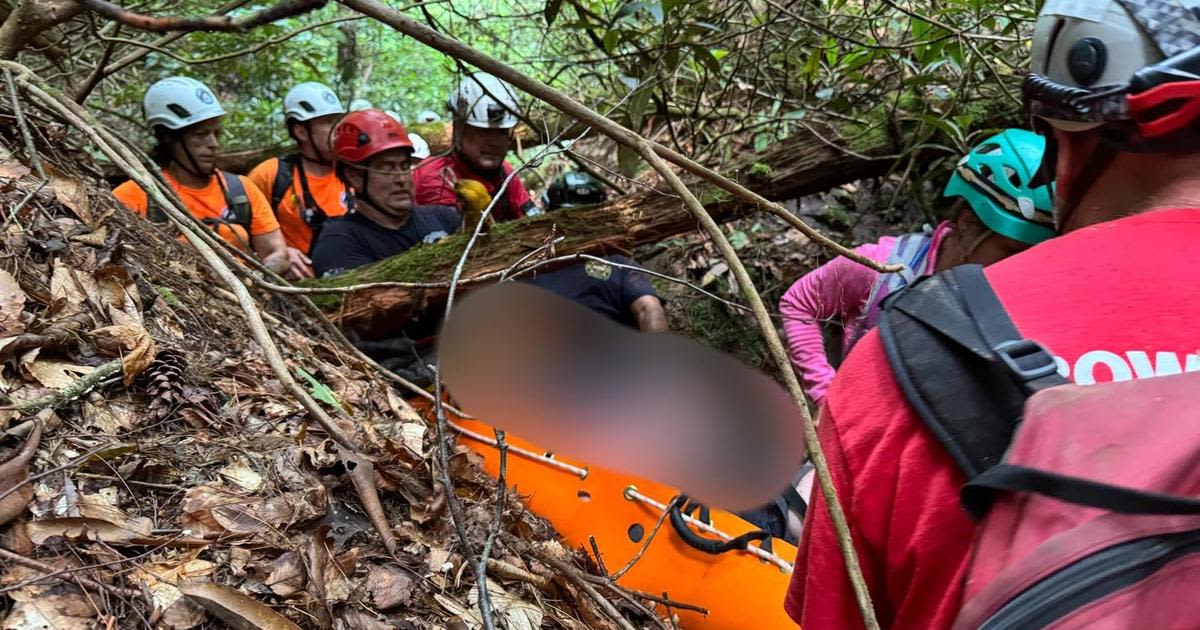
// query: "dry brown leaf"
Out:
[65,610]
[83,528]
[517,614]
[119,293]
[12,302]
[215,509]
[389,587]
[468,616]
[97,238]
[14,473]
[73,194]
[53,373]
[287,575]
[237,610]
[438,560]
[161,579]
[11,169]
[355,619]
[240,474]
[138,345]
[111,418]
[71,286]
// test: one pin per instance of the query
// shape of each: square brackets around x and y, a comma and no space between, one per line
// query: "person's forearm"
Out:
[272,251]
[650,315]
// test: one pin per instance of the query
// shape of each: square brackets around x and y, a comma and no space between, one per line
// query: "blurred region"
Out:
[653,405]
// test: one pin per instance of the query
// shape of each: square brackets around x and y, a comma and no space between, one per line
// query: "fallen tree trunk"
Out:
[801,165]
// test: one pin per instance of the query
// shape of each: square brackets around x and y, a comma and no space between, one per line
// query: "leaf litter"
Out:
[190,490]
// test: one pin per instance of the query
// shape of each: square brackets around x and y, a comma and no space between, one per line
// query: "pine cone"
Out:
[165,383]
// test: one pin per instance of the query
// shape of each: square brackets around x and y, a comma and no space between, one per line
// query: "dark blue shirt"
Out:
[609,291]
[353,240]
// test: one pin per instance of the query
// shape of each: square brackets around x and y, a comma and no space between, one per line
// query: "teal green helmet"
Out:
[994,179]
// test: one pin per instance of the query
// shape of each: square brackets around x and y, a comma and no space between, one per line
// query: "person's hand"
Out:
[299,265]
[277,262]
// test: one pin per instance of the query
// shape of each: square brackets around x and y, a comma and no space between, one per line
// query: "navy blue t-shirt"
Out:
[609,291]
[353,240]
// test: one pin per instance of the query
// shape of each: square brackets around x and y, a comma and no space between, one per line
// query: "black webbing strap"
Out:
[1031,364]
[977,495]
[962,364]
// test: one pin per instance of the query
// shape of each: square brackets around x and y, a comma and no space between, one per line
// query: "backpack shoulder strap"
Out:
[237,199]
[963,365]
[283,180]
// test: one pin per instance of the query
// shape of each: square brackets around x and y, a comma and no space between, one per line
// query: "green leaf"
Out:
[706,58]
[319,390]
[611,38]
[551,12]
[637,108]
[738,239]
[628,161]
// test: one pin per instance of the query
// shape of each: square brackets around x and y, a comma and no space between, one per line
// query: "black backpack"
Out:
[236,199]
[311,213]
[963,365]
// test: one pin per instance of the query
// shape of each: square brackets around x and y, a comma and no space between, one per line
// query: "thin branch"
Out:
[162,42]
[646,543]
[580,112]
[23,126]
[654,154]
[230,55]
[66,575]
[112,147]
[222,23]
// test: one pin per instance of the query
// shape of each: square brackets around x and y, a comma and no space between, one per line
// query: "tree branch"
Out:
[229,55]
[654,154]
[224,23]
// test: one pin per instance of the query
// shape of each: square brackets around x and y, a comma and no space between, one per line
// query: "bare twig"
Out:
[71,464]
[654,154]
[134,56]
[582,113]
[23,126]
[646,543]
[578,578]
[229,55]
[67,576]
[111,146]
[163,24]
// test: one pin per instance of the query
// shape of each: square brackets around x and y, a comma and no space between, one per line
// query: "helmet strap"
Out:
[191,166]
[974,245]
[1096,164]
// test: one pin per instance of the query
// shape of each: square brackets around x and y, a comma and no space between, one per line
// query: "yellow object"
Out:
[741,589]
[473,199]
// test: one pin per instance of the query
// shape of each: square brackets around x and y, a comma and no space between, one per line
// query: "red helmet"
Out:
[364,133]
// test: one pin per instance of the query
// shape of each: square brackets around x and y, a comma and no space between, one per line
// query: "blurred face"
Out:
[484,148]
[201,142]
[389,182]
[314,137]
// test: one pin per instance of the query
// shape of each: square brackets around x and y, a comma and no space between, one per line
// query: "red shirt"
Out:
[1112,301]
[434,179]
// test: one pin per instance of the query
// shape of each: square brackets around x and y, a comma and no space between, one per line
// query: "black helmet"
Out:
[574,188]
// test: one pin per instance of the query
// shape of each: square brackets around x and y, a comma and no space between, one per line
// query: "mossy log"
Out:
[801,165]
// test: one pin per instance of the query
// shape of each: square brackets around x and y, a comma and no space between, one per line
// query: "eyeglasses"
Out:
[388,169]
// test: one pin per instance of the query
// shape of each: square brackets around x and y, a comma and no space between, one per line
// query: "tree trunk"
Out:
[801,165]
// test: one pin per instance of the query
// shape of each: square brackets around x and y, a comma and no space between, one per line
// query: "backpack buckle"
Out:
[1016,355]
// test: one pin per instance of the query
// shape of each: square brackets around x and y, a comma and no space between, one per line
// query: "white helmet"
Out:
[482,100]
[310,100]
[1094,62]
[360,104]
[420,147]
[428,116]
[178,102]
